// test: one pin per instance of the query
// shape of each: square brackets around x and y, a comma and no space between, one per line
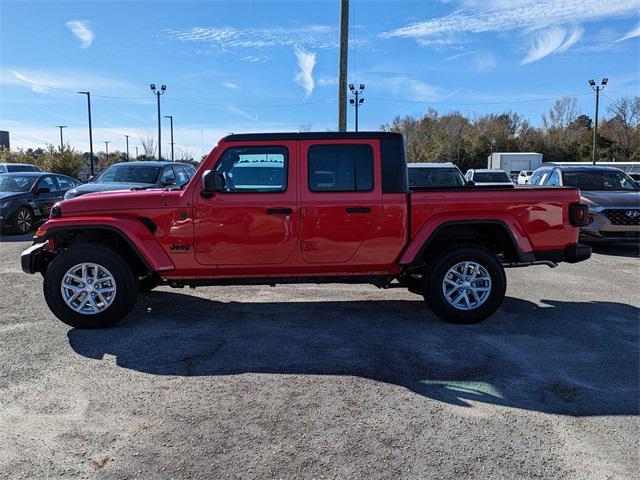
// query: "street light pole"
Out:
[88,94]
[170,117]
[127,137]
[358,100]
[61,141]
[342,75]
[137,152]
[106,144]
[157,93]
[596,88]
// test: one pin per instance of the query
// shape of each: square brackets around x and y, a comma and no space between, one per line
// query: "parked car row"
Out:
[27,195]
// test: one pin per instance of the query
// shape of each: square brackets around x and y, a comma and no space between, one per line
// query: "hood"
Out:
[105,187]
[12,195]
[113,202]
[611,198]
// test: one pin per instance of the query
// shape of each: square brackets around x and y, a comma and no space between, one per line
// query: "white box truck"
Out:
[514,163]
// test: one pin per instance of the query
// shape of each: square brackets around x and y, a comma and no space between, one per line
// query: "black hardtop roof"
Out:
[247,137]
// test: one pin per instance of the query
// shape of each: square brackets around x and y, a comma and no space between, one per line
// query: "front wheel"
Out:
[465,285]
[90,286]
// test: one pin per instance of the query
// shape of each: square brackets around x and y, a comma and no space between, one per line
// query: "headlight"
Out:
[6,204]
[69,194]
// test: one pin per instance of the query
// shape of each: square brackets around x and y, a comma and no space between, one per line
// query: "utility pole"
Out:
[157,93]
[127,137]
[596,88]
[61,142]
[342,77]
[106,145]
[88,94]
[137,152]
[358,100]
[492,145]
[170,117]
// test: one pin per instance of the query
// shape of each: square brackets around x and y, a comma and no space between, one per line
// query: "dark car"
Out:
[26,197]
[612,195]
[18,167]
[137,176]
[434,175]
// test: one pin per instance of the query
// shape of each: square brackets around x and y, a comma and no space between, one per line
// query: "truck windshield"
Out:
[600,180]
[435,177]
[123,173]
[16,183]
[491,177]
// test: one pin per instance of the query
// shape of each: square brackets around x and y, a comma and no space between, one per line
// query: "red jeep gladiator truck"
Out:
[301,208]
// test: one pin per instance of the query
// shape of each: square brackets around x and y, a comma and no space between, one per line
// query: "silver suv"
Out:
[612,195]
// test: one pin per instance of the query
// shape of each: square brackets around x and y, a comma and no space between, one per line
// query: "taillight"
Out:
[579,215]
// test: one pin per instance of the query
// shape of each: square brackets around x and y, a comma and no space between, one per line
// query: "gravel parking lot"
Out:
[327,382]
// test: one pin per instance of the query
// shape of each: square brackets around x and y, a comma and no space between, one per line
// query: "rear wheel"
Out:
[465,285]
[90,286]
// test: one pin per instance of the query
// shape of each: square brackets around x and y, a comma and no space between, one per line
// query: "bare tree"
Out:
[625,124]
[305,127]
[148,145]
[563,112]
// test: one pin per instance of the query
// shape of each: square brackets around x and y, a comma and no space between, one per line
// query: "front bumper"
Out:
[602,229]
[32,259]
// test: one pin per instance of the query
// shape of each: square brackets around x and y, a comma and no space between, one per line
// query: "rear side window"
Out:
[340,168]
[20,168]
[66,183]
[254,169]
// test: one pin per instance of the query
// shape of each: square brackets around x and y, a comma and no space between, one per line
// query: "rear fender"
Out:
[429,230]
[133,231]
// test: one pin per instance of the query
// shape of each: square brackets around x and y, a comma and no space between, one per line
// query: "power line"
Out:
[506,102]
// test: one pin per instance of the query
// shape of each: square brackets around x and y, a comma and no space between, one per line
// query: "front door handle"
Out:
[279,211]
[358,209]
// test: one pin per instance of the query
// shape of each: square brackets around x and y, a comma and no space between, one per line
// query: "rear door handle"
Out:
[279,211]
[358,209]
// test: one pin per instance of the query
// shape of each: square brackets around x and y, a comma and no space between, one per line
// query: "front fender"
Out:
[131,230]
[430,228]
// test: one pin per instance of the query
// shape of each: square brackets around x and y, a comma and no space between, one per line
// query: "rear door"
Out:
[340,198]
[44,201]
[253,221]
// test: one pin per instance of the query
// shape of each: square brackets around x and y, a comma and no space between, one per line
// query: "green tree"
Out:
[63,160]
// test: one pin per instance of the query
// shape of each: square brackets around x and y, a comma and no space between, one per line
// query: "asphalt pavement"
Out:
[331,381]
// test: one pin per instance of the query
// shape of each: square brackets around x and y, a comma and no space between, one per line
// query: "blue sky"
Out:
[271,66]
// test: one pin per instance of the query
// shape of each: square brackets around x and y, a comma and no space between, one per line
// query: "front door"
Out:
[45,200]
[253,221]
[341,198]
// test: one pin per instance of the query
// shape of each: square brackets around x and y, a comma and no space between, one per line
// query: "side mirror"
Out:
[169,181]
[42,190]
[212,182]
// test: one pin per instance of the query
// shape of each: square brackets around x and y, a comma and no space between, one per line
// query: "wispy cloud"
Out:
[255,58]
[631,34]
[226,38]
[550,41]
[241,113]
[231,85]
[49,82]
[306,64]
[483,62]
[82,31]
[474,16]
[409,88]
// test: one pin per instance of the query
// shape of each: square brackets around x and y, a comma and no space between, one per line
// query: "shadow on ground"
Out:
[577,358]
[9,237]
[617,249]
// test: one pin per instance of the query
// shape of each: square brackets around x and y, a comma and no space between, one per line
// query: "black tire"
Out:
[23,220]
[125,281]
[147,284]
[435,277]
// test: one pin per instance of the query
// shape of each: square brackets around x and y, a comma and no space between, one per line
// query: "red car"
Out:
[301,208]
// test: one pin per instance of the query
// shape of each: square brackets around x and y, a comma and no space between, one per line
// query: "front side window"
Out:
[340,168]
[254,169]
[47,182]
[554,179]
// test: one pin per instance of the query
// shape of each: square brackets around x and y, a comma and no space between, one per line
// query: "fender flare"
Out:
[133,231]
[430,229]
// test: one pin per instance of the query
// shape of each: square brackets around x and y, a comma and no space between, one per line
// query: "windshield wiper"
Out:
[141,188]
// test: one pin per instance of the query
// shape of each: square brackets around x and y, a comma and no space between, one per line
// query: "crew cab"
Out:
[282,208]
